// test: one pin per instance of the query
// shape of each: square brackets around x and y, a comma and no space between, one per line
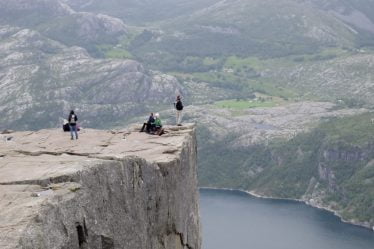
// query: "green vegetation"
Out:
[244,104]
[238,63]
[115,53]
[118,54]
[243,74]
[278,48]
[356,130]
[259,101]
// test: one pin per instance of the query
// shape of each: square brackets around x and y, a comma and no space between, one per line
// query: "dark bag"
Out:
[66,127]
[179,106]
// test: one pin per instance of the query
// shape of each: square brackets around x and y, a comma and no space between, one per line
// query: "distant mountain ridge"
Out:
[138,12]
[267,28]
[58,21]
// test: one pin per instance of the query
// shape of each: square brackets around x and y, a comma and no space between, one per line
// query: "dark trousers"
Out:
[148,127]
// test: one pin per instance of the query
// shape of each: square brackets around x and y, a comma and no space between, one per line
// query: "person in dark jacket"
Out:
[150,125]
[179,108]
[73,124]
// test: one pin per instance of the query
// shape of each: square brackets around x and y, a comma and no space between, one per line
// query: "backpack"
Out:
[72,119]
[179,106]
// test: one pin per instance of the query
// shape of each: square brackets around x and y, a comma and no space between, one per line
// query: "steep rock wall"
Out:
[117,197]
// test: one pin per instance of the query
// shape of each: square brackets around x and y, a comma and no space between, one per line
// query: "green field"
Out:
[244,104]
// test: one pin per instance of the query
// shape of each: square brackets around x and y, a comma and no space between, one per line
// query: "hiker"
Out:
[149,126]
[158,125]
[179,108]
[73,124]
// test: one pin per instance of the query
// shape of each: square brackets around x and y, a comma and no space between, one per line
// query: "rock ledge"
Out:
[109,190]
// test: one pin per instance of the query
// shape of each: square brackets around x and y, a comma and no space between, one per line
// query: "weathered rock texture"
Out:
[106,190]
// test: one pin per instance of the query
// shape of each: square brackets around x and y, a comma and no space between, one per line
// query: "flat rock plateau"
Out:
[109,189]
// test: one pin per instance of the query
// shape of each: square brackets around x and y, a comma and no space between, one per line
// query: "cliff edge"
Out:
[107,190]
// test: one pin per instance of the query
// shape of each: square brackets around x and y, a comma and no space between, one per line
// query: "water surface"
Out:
[236,220]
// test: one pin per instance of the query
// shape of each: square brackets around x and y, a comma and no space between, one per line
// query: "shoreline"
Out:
[334,212]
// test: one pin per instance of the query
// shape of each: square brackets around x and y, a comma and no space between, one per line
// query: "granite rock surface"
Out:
[109,189]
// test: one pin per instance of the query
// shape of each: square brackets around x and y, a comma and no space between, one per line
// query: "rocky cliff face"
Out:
[106,190]
[343,169]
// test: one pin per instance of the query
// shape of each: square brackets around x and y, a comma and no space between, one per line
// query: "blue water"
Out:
[235,220]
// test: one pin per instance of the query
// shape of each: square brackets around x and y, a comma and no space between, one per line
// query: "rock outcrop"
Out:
[107,190]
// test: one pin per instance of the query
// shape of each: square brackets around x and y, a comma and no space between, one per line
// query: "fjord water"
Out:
[236,220]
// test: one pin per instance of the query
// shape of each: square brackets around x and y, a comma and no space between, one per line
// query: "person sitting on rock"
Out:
[149,126]
[158,125]
[73,124]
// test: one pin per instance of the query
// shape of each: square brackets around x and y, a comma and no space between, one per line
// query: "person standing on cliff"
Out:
[179,109]
[73,124]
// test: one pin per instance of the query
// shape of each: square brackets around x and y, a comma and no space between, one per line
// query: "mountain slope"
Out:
[253,28]
[348,78]
[139,12]
[362,8]
[42,79]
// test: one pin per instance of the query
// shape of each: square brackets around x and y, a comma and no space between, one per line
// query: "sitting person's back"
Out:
[158,122]
[158,125]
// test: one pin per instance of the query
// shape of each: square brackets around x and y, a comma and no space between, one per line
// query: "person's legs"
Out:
[152,128]
[71,131]
[179,117]
[149,127]
[76,131]
[158,130]
[145,124]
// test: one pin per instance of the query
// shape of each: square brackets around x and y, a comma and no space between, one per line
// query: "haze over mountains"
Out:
[257,76]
